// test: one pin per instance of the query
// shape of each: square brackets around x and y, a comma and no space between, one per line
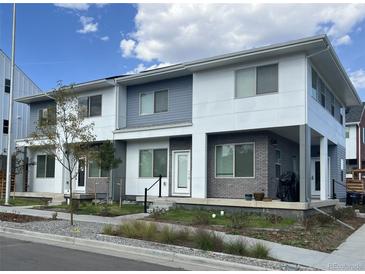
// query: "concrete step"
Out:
[160,205]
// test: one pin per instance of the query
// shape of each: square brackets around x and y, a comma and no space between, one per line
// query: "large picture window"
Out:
[90,106]
[95,171]
[45,166]
[152,163]
[256,80]
[235,160]
[153,102]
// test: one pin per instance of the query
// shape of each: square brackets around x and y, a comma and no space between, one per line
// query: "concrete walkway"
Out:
[348,256]
[66,216]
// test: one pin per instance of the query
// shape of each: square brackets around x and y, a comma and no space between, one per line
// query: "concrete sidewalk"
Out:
[348,256]
[66,216]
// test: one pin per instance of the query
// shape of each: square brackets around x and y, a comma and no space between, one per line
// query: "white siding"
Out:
[134,184]
[351,143]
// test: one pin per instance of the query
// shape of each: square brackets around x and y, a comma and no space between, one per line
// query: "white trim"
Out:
[45,167]
[233,165]
[315,193]
[81,189]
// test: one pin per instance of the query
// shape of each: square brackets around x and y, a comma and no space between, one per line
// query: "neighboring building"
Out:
[23,86]
[355,138]
[220,127]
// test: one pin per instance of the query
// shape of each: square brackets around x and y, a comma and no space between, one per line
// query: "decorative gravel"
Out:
[93,231]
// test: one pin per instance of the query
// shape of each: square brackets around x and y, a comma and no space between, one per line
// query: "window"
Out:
[153,163]
[6,126]
[322,88]
[277,163]
[314,84]
[7,86]
[45,166]
[234,160]
[95,171]
[363,135]
[332,104]
[47,116]
[153,102]
[90,106]
[347,134]
[256,80]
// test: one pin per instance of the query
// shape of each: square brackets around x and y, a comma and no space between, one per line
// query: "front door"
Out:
[80,186]
[316,176]
[181,173]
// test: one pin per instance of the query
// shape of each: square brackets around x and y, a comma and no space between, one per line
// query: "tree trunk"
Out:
[71,201]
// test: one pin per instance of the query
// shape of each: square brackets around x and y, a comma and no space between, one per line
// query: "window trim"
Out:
[99,168]
[45,167]
[153,160]
[255,67]
[154,103]
[88,105]
[234,162]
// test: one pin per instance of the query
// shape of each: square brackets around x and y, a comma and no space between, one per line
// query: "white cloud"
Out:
[174,33]
[142,67]
[358,78]
[127,47]
[104,38]
[88,25]
[73,6]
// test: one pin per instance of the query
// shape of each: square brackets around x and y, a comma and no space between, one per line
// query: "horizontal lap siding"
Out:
[179,102]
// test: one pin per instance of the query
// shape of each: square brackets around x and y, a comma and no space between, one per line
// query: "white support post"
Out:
[324,167]
[199,171]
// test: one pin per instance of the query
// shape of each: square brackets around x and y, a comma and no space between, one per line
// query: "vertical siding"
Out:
[179,102]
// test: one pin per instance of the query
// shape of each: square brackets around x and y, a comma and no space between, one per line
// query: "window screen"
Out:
[267,79]
[161,101]
[95,105]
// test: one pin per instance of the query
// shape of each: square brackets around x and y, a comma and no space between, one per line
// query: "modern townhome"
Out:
[219,128]
[23,86]
[355,139]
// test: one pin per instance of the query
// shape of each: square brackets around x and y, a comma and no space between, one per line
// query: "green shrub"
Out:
[258,250]
[236,248]
[137,229]
[237,221]
[201,218]
[168,236]
[208,241]
[108,229]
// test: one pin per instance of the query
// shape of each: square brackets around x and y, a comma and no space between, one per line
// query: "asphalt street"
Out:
[25,255]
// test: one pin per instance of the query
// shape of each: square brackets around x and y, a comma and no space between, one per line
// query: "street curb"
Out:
[165,258]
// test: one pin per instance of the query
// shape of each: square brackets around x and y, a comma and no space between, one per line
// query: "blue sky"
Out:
[80,42]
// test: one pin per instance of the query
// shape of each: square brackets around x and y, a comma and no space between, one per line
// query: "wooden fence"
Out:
[3,183]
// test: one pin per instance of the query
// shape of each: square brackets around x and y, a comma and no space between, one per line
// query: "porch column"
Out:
[199,166]
[304,163]
[324,167]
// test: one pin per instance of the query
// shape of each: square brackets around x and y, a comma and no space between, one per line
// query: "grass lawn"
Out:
[25,201]
[318,232]
[202,217]
[88,208]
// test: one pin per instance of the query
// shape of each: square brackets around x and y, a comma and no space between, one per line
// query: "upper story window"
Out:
[6,126]
[47,116]
[95,171]
[90,106]
[256,80]
[363,135]
[153,102]
[152,163]
[7,86]
[347,133]
[234,160]
[45,166]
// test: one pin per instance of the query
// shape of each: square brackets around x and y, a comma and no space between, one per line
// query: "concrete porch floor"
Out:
[276,204]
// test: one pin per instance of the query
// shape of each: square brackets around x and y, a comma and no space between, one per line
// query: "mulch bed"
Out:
[11,217]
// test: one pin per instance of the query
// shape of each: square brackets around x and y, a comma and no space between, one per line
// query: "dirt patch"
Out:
[15,218]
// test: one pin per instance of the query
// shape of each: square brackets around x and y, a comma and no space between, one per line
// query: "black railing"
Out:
[341,184]
[147,189]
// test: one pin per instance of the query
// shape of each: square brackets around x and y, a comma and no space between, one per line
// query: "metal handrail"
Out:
[147,189]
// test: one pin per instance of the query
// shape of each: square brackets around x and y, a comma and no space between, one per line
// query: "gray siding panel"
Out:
[179,102]
[34,112]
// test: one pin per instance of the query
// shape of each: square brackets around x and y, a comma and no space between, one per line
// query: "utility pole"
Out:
[8,160]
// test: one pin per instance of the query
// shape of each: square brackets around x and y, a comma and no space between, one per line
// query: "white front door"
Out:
[316,176]
[81,177]
[181,173]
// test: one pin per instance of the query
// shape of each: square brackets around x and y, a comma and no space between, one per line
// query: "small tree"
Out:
[64,133]
[104,156]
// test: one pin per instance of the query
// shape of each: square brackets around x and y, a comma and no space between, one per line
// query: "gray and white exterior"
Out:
[225,126]
[23,86]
